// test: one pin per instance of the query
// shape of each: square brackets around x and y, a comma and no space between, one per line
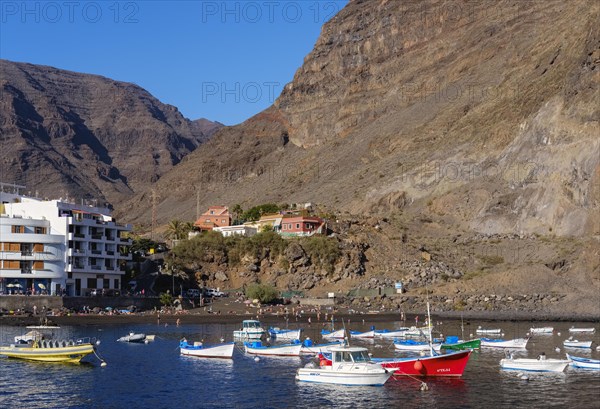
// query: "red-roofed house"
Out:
[302,226]
[215,216]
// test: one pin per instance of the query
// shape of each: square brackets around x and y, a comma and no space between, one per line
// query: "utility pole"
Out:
[153,214]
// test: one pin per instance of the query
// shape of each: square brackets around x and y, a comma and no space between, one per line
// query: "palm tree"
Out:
[178,230]
[237,212]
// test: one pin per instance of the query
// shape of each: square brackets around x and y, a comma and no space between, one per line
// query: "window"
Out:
[40,230]
[207,220]
[212,212]
[222,220]
[18,229]
[297,225]
[308,225]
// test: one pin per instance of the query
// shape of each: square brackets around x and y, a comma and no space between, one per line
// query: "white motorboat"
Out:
[541,364]
[582,330]
[584,363]
[418,332]
[517,343]
[285,334]
[251,329]
[133,337]
[198,349]
[348,366]
[410,345]
[541,330]
[384,333]
[488,331]
[358,334]
[257,348]
[310,348]
[339,334]
[573,343]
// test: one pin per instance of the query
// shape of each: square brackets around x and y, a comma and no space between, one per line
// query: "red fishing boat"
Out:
[451,364]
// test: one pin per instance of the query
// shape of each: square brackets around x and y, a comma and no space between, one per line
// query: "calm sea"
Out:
[156,376]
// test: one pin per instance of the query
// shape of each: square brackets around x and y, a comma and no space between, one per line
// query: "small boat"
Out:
[257,348]
[251,329]
[358,334]
[198,349]
[309,348]
[348,366]
[287,334]
[30,336]
[517,343]
[583,330]
[541,364]
[488,331]
[541,330]
[418,332]
[42,327]
[51,350]
[573,343]
[391,333]
[451,364]
[133,337]
[453,343]
[584,363]
[411,345]
[339,334]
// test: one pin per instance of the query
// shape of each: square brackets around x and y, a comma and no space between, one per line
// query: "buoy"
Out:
[525,377]
[424,387]
[222,339]
[503,334]
[418,365]
[146,341]
[256,359]
[557,349]
[558,333]
[471,335]
[103,364]
[98,342]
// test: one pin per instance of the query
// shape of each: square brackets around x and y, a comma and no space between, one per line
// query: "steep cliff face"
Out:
[65,133]
[482,114]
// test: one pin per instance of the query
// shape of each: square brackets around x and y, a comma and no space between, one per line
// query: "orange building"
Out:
[215,216]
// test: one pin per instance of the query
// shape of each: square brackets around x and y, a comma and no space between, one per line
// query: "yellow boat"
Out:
[49,351]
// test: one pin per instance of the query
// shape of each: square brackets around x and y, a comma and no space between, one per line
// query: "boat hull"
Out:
[69,354]
[391,334]
[495,331]
[274,350]
[452,365]
[416,347]
[289,335]
[339,334]
[242,334]
[224,351]
[519,343]
[368,334]
[584,363]
[542,330]
[578,344]
[534,365]
[583,330]
[339,377]
[133,338]
[460,346]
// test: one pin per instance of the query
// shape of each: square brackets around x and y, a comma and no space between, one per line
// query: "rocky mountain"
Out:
[85,136]
[472,127]
[485,115]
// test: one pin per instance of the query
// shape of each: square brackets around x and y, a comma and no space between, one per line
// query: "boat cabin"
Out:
[251,324]
[350,355]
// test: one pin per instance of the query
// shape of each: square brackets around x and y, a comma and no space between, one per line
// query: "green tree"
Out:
[254,213]
[166,299]
[262,292]
[237,212]
[178,230]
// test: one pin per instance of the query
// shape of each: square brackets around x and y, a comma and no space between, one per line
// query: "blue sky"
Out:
[222,60]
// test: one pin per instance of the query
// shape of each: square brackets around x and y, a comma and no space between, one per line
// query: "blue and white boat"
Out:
[339,334]
[573,343]
[198,349]
[310,348]
[517,343]
[412,345]
[395,333]
[285,334]
[366,334]
[257,348]
[584,363]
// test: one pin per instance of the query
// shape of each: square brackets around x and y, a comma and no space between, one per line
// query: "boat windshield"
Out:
[356,356]
[251,324]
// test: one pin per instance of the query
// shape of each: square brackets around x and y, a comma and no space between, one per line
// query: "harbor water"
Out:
[154,375]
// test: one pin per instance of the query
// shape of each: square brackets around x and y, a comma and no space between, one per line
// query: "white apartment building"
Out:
[51,246]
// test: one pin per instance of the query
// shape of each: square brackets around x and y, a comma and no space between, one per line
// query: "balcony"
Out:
[26,271]
[97,236]
[97,252]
